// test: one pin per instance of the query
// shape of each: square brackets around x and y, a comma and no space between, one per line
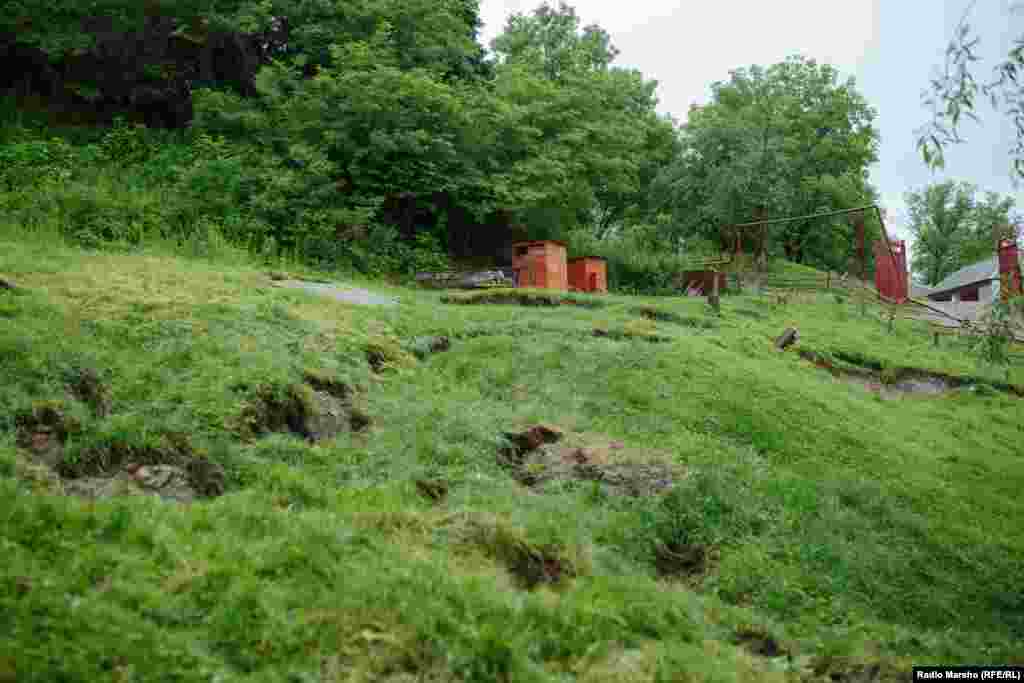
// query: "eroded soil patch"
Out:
[531,564]
[758,641]
[316,410]
[683,560]
[544,456]
[171,469]
[892,383]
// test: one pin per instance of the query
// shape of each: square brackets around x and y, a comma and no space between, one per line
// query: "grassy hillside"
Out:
[702,507]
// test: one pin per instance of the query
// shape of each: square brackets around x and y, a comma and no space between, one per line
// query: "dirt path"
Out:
[350,295]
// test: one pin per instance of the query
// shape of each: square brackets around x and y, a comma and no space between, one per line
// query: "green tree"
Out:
[955,90]
[791,139]
[576,140]
[952,228]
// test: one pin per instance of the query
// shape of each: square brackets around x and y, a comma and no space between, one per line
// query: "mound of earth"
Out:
[545,456]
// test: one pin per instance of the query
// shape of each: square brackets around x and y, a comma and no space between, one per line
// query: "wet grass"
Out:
[819,528]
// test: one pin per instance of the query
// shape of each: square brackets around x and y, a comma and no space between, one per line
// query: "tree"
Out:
[953,228]
[954,92]
[576,139]
[790,139]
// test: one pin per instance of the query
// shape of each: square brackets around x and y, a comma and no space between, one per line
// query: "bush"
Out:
[35,164]
[638,263]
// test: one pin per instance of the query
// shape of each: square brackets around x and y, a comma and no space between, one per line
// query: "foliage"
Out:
[952,227]
[791,139]
[992,345]
[35,165]
[955,90]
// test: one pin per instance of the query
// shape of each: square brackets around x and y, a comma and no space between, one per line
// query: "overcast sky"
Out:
[890,47]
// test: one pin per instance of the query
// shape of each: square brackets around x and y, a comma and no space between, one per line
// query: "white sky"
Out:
[890,47]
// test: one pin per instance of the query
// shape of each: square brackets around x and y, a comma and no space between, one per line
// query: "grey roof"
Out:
[978,272]
[917,291]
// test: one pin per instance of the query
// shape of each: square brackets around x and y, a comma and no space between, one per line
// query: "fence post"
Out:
[828,280]
[713,298]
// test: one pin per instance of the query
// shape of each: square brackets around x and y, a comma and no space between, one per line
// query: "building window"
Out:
[969,294]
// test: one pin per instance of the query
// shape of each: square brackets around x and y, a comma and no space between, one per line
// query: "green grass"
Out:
[849,530]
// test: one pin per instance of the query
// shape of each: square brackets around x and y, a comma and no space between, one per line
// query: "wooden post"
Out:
[828,280]
[713,298]
[858,224]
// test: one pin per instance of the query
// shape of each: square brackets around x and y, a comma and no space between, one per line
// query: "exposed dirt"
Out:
[172,469]
[759,642]
[531,564]
[541,456]
[349,295]
[677,560]
[44,430]
[536,566]
[317,410]
[896,382]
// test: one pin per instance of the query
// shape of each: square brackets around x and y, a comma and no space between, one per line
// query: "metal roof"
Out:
[982,271]
[919,291]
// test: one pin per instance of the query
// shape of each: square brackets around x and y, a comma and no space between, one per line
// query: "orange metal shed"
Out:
[540,264]
[588,274]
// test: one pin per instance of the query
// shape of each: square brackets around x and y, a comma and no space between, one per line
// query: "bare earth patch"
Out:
[544,455]
[172,470]
[898,382]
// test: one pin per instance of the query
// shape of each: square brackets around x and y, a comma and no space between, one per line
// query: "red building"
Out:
[540,264]
[891,276]
[588,274]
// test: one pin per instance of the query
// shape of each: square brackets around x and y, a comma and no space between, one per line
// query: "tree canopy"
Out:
[952,227]
[789,139]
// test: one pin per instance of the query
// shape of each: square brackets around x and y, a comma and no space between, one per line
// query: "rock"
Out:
[46,446]
[787,339]
[102,487]
[7,284]
[328,419]
[44,430]
[473,280]
[167,481]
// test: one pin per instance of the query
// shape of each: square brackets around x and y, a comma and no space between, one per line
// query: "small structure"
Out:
[588,274]
[985,281]
[540,264]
